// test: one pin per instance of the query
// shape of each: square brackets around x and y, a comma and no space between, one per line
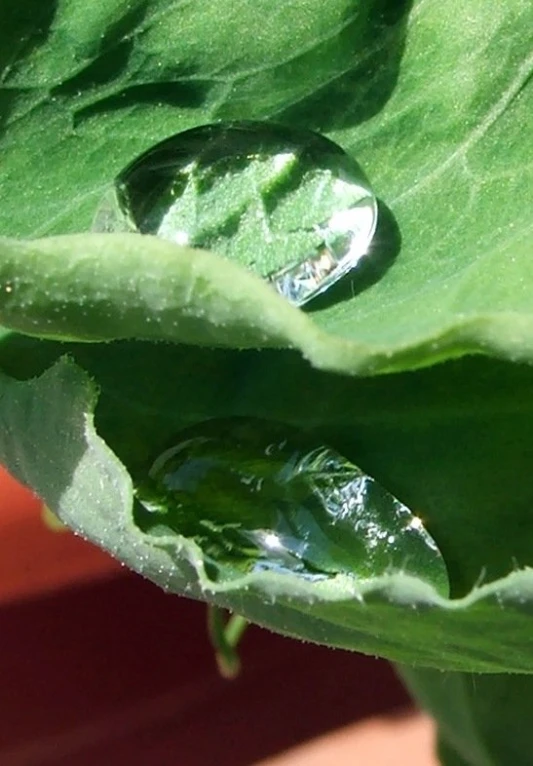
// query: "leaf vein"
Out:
[524,74]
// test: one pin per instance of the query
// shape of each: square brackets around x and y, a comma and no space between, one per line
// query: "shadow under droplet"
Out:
[381,255]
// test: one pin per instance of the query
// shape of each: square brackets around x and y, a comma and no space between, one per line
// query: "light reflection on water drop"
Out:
[257,495]
[289,204]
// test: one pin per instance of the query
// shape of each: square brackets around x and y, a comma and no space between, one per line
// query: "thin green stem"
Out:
[225,635]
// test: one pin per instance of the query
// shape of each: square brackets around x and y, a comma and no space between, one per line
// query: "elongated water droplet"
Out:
[257,495]
[289,204]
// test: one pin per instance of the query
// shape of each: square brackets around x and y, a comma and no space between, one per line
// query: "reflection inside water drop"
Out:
[256,495]
[289,204]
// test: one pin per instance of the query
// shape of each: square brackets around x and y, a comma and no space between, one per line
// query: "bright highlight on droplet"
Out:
[288,204]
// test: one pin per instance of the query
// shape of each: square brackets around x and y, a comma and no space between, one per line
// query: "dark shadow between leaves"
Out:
[8,102]
[25,26]
[114,50]
[376,35]
[182,94]
[174,86]
[382,254]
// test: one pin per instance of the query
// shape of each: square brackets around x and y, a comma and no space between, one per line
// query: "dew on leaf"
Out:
[288,204]
[258,496]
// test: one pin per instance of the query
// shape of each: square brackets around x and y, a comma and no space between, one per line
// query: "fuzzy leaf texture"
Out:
[433,99]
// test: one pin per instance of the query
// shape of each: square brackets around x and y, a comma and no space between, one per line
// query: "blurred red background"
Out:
[98,666]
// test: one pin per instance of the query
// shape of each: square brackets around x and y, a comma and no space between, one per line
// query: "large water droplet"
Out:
[257,495]
[289,204]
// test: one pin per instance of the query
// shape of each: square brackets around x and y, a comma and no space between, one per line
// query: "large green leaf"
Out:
[448,457]
[433,98]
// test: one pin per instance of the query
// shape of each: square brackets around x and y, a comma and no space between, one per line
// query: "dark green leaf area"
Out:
[257,495]
[483,720]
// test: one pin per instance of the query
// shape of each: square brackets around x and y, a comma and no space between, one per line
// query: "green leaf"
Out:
[89,88]
[103,287]
[454,480]
[443,136]
[483,719]
[434,101]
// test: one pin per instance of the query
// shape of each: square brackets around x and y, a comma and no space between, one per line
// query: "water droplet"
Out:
[288,204]
[257,495]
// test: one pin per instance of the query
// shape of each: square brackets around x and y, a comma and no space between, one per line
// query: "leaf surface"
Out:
[433,99]
[454,468]
[443,136]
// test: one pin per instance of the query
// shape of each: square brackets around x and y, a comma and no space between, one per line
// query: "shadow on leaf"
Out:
[377,37]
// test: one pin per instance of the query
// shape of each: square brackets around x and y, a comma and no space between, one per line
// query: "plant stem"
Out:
[225,635]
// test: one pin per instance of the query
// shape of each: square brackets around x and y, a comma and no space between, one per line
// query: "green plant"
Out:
[420,373]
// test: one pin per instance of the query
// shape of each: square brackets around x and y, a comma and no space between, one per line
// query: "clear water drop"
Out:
[288,204]
[257,495]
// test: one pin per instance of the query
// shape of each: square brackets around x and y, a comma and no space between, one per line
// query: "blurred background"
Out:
[98,666]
